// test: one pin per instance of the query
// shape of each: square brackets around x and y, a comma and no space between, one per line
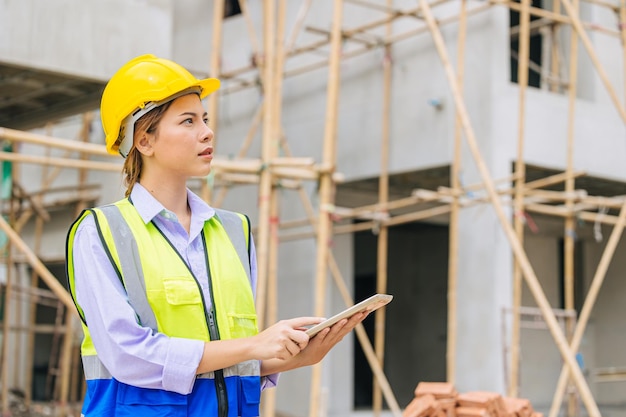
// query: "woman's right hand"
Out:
[284,339]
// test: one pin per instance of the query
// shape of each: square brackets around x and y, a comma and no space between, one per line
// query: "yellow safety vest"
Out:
[164,292]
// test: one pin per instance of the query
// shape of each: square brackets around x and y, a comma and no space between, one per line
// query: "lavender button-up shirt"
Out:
[133,354]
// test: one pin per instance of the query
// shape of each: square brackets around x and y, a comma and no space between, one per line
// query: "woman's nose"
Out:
[207,135]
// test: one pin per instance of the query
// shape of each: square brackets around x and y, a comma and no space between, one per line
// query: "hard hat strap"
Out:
[127,130]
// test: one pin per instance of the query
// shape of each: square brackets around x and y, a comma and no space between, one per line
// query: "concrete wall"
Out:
[90,39]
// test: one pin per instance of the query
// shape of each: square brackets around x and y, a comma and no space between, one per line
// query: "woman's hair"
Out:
[148,123]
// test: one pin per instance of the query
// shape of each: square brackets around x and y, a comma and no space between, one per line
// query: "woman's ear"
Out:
[144,144]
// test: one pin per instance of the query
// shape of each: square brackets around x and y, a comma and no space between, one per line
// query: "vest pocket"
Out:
[250,396]
[242,325]
[180,291]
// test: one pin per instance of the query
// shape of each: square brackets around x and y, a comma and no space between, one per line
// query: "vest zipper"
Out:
[214,332]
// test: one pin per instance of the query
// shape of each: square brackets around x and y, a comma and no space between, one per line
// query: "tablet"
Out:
[370,304]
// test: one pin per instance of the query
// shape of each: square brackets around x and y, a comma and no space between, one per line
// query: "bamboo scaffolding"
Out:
[584,38]
[556,17]
[588,305]
[270,172]
[365,342]
[527,269]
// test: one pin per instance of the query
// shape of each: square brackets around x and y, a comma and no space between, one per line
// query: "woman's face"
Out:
[182,142]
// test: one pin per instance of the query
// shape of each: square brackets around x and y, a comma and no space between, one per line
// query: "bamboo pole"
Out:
[520,173]
[383,233]
[555,61]
[576,23]
[254,42]
[528,272]
[65,361]
[206,190]
[570,221]
[357,52]
[61,162]
[326,190]
[6,329]
[622,26]
[453,228]
[302,12]
[34,282]
[13,135]
[535,11]
[556,17]
[267,153]
[276,103]
[243,149]
[49,279]
[365,342]
[590,300]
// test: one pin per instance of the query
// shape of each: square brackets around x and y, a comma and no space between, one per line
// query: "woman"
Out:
[164,283]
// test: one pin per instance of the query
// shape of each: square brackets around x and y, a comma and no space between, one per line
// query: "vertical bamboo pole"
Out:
[455,183]
[528,272]
[6,328]
[65,361]
[206,190]
[365,341]
[555,61]
[622,26]
[570,221]
[383,233]
[590,300]
[6,320]
[326,188]
[30,344]
[584,38]
[243,5]
[520,172]
[267,149]
[272,292]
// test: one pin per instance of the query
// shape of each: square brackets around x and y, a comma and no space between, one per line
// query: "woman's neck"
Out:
[172,196]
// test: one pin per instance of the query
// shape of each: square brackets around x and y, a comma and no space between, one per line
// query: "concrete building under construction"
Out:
[466,156]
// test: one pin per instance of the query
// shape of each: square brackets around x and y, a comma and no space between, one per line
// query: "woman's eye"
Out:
[188,121]
[206,121]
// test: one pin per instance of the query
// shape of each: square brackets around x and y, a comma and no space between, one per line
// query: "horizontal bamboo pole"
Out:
[60,162]
[43,140]
[553,179]
[574,196]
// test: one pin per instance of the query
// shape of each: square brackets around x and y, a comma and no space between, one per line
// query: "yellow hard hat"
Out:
[141,85]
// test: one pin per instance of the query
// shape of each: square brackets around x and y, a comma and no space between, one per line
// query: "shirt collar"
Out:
[149,207]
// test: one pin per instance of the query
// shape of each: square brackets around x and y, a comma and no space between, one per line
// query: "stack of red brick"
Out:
[440,399]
